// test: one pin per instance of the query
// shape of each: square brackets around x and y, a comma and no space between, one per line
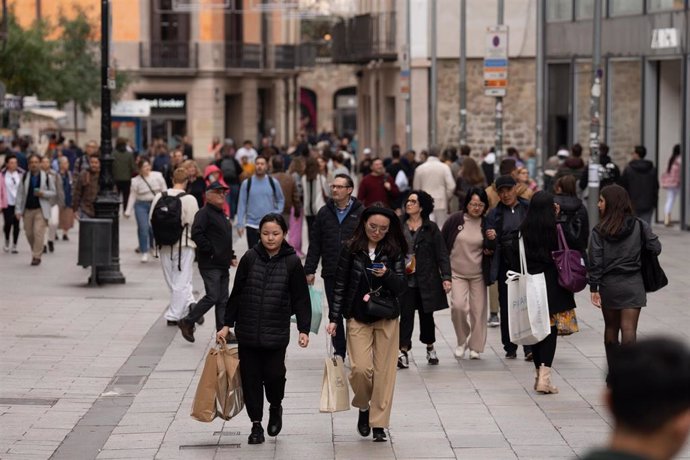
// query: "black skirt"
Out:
[623,291]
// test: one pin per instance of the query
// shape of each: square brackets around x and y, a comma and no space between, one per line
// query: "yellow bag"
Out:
[565,322]
[335,396]
[204,405]
[230,397]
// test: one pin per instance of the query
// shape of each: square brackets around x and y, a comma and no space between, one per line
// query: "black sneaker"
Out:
[379,435]
[172,323]
[65,238]
[363,423]
[403,360]
[51,246]
[511,354]
[275,420]
[257,435]
[431,356]
[529,356]
[187,329]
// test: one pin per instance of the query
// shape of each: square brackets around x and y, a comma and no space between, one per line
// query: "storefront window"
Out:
[559,10]
[584,9]
[665,5]
[625,7]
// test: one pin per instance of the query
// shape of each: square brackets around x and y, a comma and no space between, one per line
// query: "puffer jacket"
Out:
[351,283]
[619,254]
[267,291]
[327,237]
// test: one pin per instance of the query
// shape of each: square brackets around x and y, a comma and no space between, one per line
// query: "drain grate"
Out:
[129,380]
[27,402]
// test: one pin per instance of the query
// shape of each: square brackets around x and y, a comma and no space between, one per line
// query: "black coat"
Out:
[327,237]
[351,283]
[432,266]
[573,218]
[212,233]
[509,239]
[267,291]
[642,183]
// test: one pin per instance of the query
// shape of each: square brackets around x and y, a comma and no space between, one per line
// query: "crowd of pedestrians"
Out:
[414,232]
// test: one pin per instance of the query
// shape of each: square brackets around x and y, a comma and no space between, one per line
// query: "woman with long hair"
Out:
[471,176]
[369,280]
[615,276]
[270,286]
[315,189]
[428,276]
[196,186]
[540,236]
[524,178]
[145,186]
[465,238]
[573,215]
[670,181]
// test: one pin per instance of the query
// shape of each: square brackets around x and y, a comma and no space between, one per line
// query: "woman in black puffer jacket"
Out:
[368,282]
[270,286]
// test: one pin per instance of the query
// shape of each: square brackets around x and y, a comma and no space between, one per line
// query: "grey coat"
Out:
[48,192]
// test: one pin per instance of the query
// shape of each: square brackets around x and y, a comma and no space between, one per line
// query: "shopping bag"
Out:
[294,237]
[204,405]
[335,396]
[229,383]
[316,297]
[528,309]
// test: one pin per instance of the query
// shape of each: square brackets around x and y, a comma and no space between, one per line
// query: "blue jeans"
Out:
[141,212]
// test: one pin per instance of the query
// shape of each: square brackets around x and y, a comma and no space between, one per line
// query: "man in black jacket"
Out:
[642,183]
[212,233]
[334,224]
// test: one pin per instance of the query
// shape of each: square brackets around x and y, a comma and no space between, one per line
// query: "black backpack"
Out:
[166,219]
[229,168]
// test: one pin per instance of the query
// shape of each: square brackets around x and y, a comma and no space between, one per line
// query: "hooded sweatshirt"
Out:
[642,183]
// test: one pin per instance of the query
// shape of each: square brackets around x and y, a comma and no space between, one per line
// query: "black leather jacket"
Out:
[351,283]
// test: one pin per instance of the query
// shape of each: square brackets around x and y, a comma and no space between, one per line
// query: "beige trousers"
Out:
[373,350]
[493,298]
[35,228]
[468,311]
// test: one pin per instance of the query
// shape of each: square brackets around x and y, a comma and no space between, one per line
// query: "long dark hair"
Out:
[392,244]
[539,227]
[618,209]
[674,155]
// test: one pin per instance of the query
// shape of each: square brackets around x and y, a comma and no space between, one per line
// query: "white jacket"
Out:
[145,189]
[48,193]
[435,178]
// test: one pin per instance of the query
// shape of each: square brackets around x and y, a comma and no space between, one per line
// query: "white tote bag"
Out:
[528,308]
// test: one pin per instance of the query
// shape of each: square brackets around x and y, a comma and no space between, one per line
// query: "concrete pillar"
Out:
[420,106]
[205,114]
[250,107]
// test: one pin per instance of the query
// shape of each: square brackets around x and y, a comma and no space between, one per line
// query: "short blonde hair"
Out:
[180,176]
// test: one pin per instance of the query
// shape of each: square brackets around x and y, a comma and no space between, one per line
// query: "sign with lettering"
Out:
[496,61]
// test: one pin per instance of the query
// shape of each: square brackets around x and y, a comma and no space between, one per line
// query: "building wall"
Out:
[623,131]
[325,80]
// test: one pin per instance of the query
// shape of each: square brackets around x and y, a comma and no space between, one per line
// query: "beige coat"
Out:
[435,178]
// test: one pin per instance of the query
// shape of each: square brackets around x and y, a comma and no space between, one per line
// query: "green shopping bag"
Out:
[316,296]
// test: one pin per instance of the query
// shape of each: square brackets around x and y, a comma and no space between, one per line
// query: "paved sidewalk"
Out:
[83,366]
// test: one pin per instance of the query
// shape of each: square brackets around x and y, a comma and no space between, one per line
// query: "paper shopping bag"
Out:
[204,405]
[230,397]
[335,396]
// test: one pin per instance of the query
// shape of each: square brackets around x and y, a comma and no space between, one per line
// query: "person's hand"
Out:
[330,329]
[240,231]
[491,234]
[233,262]
[18,215]
[303,340]
[596,299]
[222,335]
[127,215]
[311,279]
[447,285]
[557,208]
[387,185]
[38,193]
[379,272]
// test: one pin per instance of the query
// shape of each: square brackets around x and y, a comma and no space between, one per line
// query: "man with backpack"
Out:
[259,195]
[212,233]
[172,216]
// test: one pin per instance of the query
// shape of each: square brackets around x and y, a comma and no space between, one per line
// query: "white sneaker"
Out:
[6,247]
[460,351]
[144,257]
[474,354]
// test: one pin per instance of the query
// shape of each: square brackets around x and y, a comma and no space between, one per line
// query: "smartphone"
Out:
[378,266]
[37,191]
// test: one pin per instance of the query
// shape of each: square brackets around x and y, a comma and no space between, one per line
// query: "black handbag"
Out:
[653,275]
[380,306]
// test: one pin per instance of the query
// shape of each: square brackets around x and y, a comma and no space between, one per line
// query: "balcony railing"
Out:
[364,38]
[285,56]
[240,55]
[169,55]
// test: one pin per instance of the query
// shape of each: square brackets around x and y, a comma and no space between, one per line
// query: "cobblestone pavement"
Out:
[95,373]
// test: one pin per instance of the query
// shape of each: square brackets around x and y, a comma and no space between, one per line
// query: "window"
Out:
[559,10]
[584,9]
[625,7]
[665,5]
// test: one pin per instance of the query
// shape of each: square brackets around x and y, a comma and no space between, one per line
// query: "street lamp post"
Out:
[107,204]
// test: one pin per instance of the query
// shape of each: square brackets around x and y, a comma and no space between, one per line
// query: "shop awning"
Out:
[52,114]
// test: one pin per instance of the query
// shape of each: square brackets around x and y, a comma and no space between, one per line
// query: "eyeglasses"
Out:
[476,205]
[376,229]
[339,187]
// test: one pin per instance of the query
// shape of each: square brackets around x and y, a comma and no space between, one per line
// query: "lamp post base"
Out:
[107,206]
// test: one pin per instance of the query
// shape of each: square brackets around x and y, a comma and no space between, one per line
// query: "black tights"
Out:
[11,224]
[621,322]
[544,351]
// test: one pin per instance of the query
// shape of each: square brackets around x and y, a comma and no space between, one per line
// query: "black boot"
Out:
[257,436]
[611,349]
[363,423]
[379,435]
[275,420]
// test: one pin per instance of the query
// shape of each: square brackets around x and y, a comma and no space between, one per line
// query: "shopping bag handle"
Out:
[330,352]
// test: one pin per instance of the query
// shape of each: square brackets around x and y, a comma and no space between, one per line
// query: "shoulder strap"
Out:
[249,187]
[147,184]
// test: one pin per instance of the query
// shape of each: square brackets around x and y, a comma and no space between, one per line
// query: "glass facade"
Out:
[584,9]
[559,10]
[665,5]
[625,7]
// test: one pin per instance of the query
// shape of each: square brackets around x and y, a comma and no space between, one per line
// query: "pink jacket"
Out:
[671,179]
